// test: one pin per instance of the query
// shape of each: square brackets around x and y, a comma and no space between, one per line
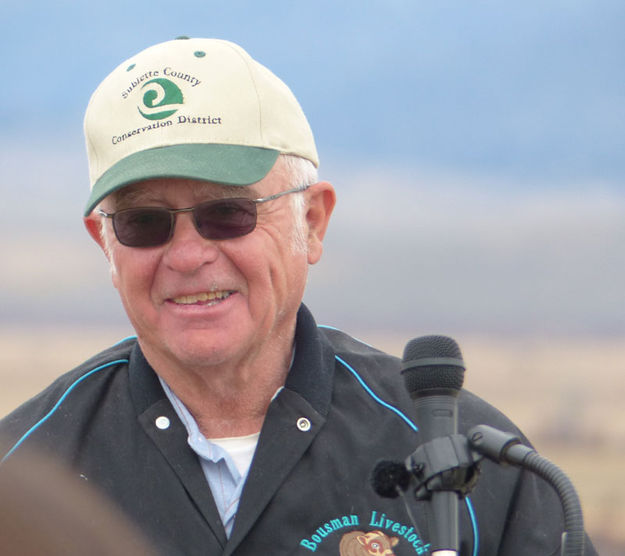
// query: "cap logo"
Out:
[160,99]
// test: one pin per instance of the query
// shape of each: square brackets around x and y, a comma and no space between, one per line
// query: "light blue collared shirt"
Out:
[220,470]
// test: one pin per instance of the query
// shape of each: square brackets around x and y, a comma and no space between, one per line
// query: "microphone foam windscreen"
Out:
[388,476]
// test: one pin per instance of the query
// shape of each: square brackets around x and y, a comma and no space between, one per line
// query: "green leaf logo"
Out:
[159,98]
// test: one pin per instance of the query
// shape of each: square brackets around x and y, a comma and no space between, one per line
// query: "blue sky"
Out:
[476,147]
[528,89]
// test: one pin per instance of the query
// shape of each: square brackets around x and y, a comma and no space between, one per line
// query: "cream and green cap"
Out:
[191,108]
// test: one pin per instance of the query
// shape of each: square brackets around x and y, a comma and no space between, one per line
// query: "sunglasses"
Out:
[220,219]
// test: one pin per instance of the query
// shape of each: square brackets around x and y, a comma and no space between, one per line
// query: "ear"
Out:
[321,201]
[93,225]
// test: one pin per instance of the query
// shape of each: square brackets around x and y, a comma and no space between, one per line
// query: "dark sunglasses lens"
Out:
[142,227]
[225,219]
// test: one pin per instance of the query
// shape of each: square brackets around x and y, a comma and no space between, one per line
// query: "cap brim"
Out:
[223,164]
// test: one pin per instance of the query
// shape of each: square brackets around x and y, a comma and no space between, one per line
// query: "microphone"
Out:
[445,463]
[433,371]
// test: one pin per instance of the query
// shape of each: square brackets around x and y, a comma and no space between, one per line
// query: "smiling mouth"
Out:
[204,298]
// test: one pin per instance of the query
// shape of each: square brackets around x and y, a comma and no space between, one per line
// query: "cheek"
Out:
[132,271]
[272,271]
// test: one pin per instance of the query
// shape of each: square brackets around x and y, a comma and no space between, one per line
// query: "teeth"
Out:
[202,297]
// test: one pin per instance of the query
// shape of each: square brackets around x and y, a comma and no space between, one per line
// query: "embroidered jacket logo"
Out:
[160,99]
[385,539]
[374,543]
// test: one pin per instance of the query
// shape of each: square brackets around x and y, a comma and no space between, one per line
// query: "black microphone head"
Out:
[388,476]
[432,363]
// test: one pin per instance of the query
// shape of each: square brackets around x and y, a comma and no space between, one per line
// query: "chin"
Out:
[193,355]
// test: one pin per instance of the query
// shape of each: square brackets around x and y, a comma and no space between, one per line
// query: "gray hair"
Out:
[302,173]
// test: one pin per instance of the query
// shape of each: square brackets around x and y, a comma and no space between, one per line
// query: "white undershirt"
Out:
[240,448]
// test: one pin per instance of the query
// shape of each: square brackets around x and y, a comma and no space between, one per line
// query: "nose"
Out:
[187,250]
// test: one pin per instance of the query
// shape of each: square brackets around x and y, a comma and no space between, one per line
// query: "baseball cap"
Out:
[191,108]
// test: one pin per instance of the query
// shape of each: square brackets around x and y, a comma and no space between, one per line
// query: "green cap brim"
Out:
[223,164]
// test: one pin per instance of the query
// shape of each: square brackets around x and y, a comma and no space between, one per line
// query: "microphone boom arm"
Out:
[504,448]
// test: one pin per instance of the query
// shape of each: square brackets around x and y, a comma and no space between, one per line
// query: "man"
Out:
[232,423]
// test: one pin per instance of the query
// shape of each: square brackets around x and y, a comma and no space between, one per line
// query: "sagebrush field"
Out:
[568,395]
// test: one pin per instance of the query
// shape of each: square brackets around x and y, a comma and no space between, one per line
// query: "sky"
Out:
[476,149]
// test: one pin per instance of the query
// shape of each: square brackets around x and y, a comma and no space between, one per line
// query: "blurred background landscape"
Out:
[477,152]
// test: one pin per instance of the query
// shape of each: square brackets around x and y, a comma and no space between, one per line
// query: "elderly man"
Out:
[232,423]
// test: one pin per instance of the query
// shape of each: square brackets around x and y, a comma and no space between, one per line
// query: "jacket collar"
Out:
[311,373]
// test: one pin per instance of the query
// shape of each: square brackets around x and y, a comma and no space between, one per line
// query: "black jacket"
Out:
[308,491]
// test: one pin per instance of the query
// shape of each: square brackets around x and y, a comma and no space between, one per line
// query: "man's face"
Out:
[196,302]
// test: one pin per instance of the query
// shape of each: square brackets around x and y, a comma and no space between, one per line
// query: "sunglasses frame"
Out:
[174,212]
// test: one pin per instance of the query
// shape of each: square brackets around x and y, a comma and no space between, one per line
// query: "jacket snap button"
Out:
[162,422]
[303,424]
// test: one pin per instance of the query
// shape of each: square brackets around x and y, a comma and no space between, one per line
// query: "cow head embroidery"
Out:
[373,543]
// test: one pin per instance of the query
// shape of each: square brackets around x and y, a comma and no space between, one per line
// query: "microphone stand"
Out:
[446,469]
